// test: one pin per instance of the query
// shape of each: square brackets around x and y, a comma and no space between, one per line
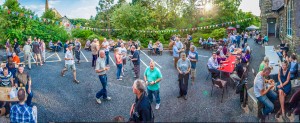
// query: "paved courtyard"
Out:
[60,100]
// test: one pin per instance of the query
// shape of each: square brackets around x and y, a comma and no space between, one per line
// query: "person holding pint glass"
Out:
[183,67]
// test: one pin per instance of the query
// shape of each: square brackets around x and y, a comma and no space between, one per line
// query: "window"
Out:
[289,28]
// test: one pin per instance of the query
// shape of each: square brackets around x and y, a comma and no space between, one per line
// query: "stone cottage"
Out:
[281,18]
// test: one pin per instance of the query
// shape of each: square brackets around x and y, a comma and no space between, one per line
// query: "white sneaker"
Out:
[157,106]
[98,101]
[108,98]
[119,79]
[121,76]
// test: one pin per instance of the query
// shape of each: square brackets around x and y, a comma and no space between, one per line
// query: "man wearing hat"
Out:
[69,63]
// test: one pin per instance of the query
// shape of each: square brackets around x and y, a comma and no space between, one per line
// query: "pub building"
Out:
[281,19]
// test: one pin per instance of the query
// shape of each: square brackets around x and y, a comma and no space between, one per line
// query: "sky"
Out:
[87,8]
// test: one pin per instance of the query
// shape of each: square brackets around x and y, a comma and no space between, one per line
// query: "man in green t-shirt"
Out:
[153,77]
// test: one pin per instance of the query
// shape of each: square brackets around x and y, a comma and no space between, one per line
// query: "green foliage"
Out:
[92,37]
[218,33]
[80,22]
[15,26]
[49,14]
[82,34]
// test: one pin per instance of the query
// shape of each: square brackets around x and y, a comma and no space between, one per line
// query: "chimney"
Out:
[46,5]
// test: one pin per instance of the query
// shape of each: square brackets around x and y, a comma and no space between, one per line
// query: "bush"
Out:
[92,37]
[20,27]
[218,33]
[82,34]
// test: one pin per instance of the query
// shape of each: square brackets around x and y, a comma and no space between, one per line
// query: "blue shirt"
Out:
[294,69]
[183,65]
[194,56]
[175,51]
[178,44]
[21,114]
[238,38]
[137,56]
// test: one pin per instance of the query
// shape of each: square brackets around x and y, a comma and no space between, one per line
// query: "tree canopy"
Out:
[167,15]
[21,27]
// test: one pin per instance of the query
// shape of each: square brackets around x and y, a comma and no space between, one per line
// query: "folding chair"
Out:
[221,84]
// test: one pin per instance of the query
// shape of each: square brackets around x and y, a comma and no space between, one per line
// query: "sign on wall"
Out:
[277,4]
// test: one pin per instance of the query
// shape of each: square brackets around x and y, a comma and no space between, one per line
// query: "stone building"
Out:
[281,18]
[64,20]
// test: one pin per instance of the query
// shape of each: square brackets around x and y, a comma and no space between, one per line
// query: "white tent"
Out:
[252,27]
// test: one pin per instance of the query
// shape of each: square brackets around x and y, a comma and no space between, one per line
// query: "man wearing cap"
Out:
[69,63]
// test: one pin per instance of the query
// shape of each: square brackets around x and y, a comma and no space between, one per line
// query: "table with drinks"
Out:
[237,51]
[274,61]
[228,66]
[9,94]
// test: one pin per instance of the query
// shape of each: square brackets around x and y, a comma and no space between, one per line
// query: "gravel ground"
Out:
[60,100]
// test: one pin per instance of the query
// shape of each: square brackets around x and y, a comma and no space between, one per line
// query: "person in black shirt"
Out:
[136,61]
[16,47]
[238,72]
[141,110]
[187,47]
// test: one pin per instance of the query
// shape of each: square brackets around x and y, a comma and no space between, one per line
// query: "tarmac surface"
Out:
[60,100]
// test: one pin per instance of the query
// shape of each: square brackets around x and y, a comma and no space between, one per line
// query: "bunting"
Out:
[46,20]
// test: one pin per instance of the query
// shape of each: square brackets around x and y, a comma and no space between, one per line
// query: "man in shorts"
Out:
[69,63]
[193,57]
[37,52]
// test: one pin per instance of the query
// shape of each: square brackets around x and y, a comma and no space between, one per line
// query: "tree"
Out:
[143,18]
[14,24]
[49,14]
[82,34]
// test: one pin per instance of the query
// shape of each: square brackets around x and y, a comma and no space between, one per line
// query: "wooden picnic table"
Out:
[237,51]
[4,95]
[228,67]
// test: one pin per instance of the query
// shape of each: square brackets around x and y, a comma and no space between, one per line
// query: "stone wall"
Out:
[266,12]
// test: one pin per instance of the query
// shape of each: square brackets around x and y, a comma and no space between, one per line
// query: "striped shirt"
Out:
[5,79]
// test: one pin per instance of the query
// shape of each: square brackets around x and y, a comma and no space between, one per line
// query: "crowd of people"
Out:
[185,58]
[268,91]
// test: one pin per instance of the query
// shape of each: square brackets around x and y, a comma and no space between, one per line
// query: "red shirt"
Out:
[16,59]
[118,58]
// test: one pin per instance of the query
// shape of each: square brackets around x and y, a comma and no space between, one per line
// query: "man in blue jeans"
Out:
[101,71]
[105,45]
[263,95]
[153,76]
